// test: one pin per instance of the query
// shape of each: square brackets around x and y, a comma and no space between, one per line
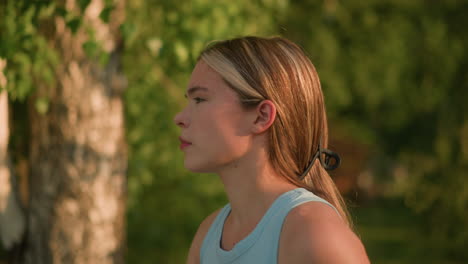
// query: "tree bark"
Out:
[78,157]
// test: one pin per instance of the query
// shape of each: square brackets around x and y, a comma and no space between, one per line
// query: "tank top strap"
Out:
[304,196]
[215,230]
[272,230]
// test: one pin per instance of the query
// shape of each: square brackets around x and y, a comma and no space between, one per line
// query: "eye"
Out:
[198,100]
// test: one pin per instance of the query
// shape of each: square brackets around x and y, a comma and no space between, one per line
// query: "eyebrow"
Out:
[194,89]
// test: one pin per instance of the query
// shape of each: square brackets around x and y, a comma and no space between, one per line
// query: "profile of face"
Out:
[216,131]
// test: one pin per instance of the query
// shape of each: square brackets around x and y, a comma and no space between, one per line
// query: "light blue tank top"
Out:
[261,245]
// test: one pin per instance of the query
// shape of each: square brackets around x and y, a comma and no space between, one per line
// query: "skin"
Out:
[232,142]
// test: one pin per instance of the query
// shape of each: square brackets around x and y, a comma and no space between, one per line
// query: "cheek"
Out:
[222,121]
[229,127]
[222,138]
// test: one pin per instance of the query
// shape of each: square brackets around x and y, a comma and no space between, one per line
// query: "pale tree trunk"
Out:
[12,222]
[77,151]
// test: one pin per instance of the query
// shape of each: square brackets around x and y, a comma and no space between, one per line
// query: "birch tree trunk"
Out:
[12,221]
[78,155]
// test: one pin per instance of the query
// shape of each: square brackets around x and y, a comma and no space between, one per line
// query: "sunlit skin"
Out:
[213,122]
[219,136]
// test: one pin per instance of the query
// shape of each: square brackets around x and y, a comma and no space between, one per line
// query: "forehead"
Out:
[204,76]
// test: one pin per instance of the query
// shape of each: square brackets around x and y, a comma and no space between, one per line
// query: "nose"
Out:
[180,119]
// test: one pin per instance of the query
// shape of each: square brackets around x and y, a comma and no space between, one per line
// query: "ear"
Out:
[265,116]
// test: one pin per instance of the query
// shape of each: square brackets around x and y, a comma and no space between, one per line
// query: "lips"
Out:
[184,143]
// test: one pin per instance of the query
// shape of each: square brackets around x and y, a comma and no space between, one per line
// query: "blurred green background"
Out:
[395,78]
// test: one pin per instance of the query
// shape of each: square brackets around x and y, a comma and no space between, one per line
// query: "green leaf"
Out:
[128,31]
[83,4]
[74,24]
[47,11]
[91,48]
[61,11]
[104,58]
[105,13]
[42,105]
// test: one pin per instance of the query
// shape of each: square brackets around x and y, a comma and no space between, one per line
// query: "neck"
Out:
[251,186]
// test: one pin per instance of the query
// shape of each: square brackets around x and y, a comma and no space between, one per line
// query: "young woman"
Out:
[256,117]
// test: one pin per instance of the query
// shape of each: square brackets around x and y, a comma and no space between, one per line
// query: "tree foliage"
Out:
[24,48]
[394,75]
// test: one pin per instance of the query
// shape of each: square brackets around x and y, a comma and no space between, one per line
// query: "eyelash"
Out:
[198,100]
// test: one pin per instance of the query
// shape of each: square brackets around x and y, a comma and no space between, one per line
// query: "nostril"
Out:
[178,120]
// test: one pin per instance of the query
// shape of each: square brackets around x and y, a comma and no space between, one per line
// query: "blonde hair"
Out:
[278,70]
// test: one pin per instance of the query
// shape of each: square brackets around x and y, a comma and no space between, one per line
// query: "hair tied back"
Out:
[325,157]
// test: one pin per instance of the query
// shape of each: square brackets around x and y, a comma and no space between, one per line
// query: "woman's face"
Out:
[215,128]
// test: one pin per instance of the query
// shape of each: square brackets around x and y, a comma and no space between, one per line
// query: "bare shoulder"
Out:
[314,233]
[194,252]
